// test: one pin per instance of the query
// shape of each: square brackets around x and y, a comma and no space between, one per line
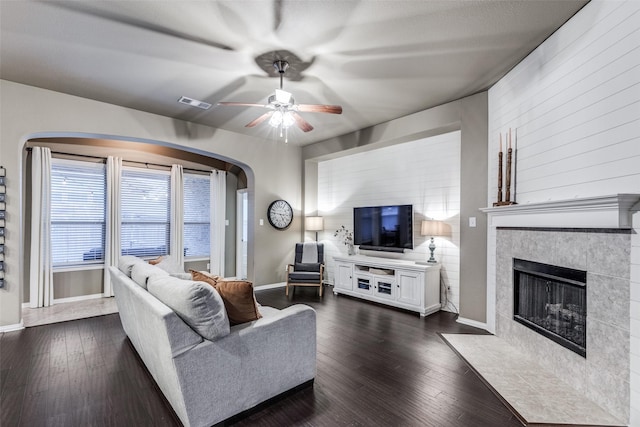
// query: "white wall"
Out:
[273,170]
[634,309]
[424,173]
[575,103]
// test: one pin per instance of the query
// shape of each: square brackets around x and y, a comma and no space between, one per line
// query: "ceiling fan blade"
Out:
[331,109]
[259,120]
[302,123]
[239,104]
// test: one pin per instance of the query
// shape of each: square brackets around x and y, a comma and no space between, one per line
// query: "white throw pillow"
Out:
[170,265]
[197,303]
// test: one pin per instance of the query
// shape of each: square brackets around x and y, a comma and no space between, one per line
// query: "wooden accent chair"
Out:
[308,268]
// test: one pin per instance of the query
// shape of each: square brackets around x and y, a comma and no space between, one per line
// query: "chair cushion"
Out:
[239,300]
[304,277]
[198,304]
[302,266]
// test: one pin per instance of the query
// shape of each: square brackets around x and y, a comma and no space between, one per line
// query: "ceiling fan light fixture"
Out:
[276,119]
[281,119]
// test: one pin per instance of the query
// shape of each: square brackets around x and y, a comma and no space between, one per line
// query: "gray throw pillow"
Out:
[126,263]
[197,303]
[141,272]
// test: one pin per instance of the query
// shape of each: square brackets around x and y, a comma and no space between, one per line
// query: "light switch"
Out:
[472,221]
[261,221]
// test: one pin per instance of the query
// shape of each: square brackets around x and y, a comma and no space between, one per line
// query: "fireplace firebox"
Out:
[552,301]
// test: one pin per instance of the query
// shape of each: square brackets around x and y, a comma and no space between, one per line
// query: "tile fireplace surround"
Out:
[593,235]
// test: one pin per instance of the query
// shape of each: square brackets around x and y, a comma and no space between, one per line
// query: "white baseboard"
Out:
[474,323]
[78,298]
[271,286]
[11,328]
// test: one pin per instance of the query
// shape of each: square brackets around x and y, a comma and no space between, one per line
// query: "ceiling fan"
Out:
[283,109]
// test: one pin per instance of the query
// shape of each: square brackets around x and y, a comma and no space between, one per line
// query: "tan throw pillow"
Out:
[239,300]
[203,276]
[156,261]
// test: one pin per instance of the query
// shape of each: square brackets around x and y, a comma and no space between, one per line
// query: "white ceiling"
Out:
[379,59]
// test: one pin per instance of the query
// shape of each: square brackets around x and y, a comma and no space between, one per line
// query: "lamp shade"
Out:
[314,223]
[431,227]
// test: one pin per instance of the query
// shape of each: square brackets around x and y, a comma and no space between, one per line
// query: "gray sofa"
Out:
[208,380]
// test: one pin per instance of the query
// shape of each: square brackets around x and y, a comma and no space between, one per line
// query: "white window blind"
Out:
[77,212]
[197,215]
[145,208]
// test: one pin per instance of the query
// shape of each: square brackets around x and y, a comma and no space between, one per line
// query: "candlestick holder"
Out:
[507,200]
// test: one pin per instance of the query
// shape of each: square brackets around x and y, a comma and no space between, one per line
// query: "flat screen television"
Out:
[383,228]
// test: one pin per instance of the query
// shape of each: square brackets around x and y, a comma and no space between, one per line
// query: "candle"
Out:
[501,142]
[509,138]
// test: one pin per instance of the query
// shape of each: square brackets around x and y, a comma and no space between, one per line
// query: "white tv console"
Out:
[399,283]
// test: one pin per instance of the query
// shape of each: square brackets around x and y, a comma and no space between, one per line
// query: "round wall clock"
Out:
[280,214]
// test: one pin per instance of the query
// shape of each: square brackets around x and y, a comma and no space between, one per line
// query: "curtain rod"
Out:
[87,156]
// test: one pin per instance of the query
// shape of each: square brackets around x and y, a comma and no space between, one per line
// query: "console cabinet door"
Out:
[410,287]
[385,287]
[344,276]
[363,284]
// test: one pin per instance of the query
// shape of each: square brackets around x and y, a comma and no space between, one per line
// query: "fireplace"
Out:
[552,301]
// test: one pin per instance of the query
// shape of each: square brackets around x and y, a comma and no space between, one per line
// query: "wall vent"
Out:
[194,102]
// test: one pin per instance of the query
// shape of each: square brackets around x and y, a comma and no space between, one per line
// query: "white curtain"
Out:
[40,268]
[176,234]
[218,218]
[112,221]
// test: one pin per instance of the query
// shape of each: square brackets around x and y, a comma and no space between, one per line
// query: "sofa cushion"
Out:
[239,300]
[126,262]
[198,304]
[141,272]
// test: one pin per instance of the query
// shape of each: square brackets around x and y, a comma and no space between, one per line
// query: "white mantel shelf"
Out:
[591,212]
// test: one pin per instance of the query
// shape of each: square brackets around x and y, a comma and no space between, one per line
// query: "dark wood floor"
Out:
[377,366]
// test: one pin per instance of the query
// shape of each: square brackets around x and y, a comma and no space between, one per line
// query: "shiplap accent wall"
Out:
[424,173]
[574,104]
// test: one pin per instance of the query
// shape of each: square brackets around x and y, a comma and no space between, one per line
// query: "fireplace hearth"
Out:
[552,301]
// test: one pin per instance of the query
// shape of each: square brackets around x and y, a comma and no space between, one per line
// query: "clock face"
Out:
[280,214]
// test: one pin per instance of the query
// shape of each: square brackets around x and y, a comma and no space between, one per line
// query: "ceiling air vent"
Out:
[194,102]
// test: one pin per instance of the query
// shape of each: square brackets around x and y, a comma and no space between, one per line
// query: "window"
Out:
[145,206]
[197,214]
[77,212]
